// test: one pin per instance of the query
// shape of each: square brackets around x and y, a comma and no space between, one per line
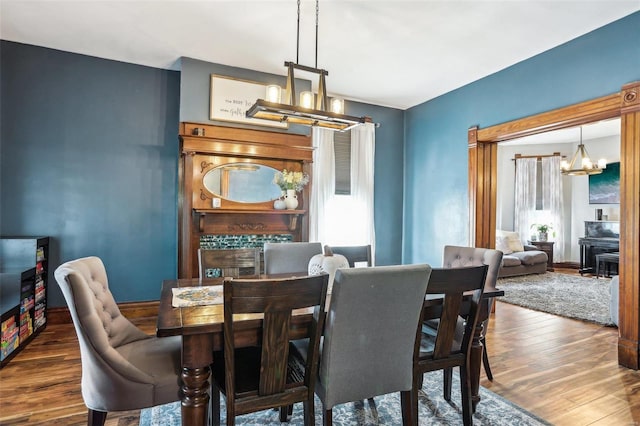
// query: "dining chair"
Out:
[460,256]
[446,348]
[355,254]
[122,367]
[282,258]
[369,336]
[229,262]
[259,378]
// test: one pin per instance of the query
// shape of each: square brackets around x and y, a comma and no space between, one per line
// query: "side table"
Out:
[547,247]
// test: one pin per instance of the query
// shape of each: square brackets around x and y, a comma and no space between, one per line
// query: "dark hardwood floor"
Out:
[563,370]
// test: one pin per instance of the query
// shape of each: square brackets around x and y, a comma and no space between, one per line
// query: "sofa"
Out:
[529,261]
[518,258]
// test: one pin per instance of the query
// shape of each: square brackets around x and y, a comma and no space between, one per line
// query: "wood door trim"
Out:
[483,198]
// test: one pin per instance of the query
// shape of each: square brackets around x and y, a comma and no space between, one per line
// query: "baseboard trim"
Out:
[131,310]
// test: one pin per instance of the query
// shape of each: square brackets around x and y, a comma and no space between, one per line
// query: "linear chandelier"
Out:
[581,164]
[304,112]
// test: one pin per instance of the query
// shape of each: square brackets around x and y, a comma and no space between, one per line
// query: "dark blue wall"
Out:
[436,205]
[89,154]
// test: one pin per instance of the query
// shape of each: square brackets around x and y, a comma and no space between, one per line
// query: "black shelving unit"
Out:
[23,292]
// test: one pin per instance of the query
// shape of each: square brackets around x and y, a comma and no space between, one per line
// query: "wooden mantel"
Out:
[204,147]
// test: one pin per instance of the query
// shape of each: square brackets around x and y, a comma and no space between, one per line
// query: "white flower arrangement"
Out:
[291,180]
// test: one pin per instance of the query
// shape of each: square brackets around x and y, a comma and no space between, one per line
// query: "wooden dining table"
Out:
[201,330]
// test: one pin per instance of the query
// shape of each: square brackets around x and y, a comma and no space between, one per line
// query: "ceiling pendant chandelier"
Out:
[581,164]
[323,114]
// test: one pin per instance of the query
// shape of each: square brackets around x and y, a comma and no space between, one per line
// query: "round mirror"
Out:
[242,182]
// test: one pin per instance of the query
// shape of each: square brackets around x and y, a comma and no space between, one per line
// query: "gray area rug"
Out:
[385,410]
[572,296]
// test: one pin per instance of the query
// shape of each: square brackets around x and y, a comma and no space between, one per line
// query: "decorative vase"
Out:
[291,199]
[279,203]
[542,236]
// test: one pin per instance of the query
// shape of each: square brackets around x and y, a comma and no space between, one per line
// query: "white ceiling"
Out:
[386,52]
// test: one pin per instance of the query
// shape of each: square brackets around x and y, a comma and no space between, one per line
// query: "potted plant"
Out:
[543,230]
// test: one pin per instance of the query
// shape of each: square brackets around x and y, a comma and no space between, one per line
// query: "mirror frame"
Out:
[202,197]
[483,148]
[225,180]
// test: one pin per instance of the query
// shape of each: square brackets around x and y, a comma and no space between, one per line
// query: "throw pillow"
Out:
[512,241]
[502,244]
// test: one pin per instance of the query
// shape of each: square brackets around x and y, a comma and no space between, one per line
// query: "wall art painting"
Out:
[604,188]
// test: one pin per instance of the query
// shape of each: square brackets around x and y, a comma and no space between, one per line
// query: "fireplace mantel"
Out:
[204,147]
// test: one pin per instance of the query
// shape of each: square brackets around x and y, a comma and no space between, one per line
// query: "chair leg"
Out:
[327,417]
[285,413]
[485,362]
[215,406]
[409,404]
[96,418]
[309,411]
[447,375]
[465,390]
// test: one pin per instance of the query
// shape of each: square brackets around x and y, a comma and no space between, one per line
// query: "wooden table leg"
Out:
[475,360]
[197,355]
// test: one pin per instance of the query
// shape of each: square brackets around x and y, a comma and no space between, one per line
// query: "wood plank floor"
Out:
[563,370]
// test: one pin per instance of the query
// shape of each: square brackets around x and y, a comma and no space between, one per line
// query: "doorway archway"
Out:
[483,148]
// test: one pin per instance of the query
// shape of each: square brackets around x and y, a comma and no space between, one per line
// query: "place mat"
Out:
[197,296]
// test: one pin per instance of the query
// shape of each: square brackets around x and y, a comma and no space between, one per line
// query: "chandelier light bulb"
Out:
[564,165]
[273,93]
[306,100]
[602,163]
[337,105]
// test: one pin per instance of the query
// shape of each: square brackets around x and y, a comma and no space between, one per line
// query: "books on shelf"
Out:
[40,291]
[27,303]
[26,325]
[40,254]
[39,318]
[10,337]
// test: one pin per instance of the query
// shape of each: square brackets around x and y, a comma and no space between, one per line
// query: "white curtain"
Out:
[323,185]
[552,202]
[525,196]
[363,141]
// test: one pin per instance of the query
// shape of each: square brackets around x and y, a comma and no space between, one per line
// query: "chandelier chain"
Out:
[317,13]
[298,36]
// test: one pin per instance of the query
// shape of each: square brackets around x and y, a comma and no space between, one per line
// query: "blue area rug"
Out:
[383,410]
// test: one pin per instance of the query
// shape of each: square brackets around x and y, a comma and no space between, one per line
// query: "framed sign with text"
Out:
[231,98]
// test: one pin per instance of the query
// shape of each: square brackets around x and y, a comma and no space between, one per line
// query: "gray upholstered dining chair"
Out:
[122,367]
[370,334]
[281,258]
[460,256]
[355,254]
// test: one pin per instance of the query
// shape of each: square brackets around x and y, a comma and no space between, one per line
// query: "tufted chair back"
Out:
[122,367]
[459,257]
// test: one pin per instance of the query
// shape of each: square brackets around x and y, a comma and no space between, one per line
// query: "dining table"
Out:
[201,329]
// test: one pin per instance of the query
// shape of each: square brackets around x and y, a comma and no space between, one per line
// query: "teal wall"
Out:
[194,106]
[89,154]
[435,197]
